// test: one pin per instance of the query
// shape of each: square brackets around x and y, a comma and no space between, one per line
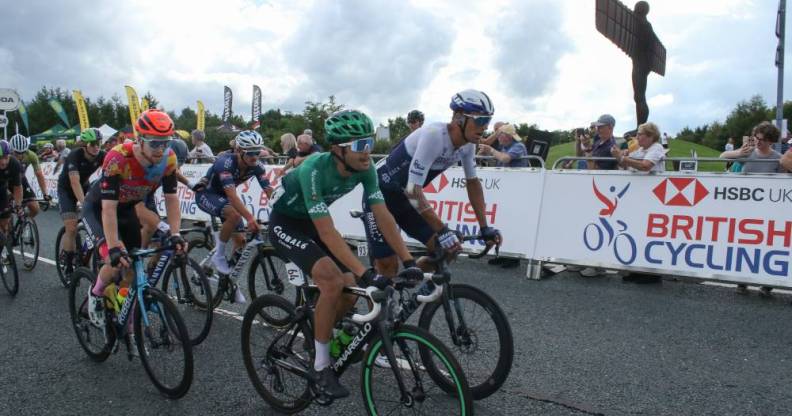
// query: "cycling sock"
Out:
[99,287]
[322,359]
[220,244]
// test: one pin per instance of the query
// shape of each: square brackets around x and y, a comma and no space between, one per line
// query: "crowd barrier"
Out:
[716,226]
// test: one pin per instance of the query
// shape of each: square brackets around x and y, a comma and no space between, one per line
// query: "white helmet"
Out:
[249,139]
[472,101]
[19,143]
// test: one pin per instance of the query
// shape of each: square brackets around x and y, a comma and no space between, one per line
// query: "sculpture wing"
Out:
[618,23]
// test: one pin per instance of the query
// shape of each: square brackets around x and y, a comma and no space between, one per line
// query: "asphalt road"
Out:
[583,346]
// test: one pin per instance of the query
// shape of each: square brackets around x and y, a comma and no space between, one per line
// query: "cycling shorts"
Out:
[27,191]
[298,241]
[213,204]
[406,217]
[128,226]
[67,204]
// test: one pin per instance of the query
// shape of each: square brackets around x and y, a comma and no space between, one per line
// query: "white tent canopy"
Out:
[107,131]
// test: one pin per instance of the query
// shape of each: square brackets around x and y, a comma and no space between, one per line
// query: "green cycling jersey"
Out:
[307,191]
[29,158]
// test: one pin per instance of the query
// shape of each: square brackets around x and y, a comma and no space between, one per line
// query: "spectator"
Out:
[603,142]
[582,146]
[288,145]
[63,152]
[786,161]
[415,120]
[305,148]
[649,155]
[111,141]
[664,141]
[512,153]
[201,152]
[48,153]
[492,139]
[729,144]
[308,132]
[765,134]
[179,148]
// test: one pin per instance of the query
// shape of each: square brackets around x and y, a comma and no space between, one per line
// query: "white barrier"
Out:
[731,228]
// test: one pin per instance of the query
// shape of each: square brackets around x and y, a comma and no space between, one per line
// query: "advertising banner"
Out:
[227,104]
[9,100]
[731,228]
[144,104]
[23,114]
[58,108]
[134,109]
[256,106]
[201,123]
[82,112]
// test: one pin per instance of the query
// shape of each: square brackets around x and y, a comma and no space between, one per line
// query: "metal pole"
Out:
[780,31]
[5,127]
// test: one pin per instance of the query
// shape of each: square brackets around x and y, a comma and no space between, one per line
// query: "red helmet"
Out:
[154,122]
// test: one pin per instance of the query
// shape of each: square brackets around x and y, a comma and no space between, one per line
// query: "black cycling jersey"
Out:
[12,175]
[78,162]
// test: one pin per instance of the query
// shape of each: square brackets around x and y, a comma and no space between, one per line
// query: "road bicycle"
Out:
[8,268]
[85,254]
[278,351]
[466,319]
[160,335]
[25,235]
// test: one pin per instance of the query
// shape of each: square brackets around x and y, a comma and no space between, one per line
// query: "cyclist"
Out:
[217,196]
[303,231]
[415,120]
[72,184]
[130,172]
[20,145]
[10,181]
[415,161]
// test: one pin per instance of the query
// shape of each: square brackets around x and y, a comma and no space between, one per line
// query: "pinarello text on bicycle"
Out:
[352,347]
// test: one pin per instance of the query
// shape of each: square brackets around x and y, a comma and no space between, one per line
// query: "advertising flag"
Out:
[201,116]
[134,109]
[227,100]
[58,107]
[144,104]
[256,106]
[82,112]
[23,114]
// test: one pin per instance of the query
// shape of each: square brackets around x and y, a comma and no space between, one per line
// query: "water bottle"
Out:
[110,297]
[342,339]
[121,296]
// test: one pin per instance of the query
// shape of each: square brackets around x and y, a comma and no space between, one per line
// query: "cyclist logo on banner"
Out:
[598,235]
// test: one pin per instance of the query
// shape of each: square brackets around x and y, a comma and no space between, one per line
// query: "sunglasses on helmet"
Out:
[481,121]
[360,145]
[156,142]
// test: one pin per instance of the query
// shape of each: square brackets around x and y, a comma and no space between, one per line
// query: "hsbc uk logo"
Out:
[436,185]
[680,192]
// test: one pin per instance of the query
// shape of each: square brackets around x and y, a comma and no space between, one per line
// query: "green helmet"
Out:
[91,135]
[347,125]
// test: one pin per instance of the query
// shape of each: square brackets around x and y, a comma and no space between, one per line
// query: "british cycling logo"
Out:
[597,235]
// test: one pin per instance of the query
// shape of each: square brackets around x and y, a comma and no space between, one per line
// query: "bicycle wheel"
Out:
[187,285]
[8,269]
[198,249]
[484,345]
[96,341]
[29,244]
[268,275]
[60,258]
[271,355]
[164,345]
[381,393]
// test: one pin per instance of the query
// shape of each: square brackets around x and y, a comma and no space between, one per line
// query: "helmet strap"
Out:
[342,159]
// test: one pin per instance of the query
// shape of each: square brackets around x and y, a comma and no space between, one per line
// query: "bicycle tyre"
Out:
[29,253]
[81,282]
[272,278]
[375,379]
[60,258]
[484,380]
[193,297]
[173,334]
[267,389]
[9,271]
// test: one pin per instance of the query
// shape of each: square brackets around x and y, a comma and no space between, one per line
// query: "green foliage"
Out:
[398,129]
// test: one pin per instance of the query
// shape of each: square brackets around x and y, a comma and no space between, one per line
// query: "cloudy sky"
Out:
[541,61]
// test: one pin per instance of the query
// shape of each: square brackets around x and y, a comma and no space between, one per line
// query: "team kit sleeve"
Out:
[72,162]
[169,180]
[426,151]
[261,176]
[469,161]
[371,186]
[224,167]
[34,160]
[112,169]
[310,180]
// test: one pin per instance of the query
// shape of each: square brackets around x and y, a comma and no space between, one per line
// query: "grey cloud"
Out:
[374,54]
[528,44]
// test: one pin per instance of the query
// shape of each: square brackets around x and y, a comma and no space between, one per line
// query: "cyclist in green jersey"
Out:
[302,230]
[20,146]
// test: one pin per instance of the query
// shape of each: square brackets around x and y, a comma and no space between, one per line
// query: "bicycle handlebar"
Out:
[486,249]
[377,297]
[438,280]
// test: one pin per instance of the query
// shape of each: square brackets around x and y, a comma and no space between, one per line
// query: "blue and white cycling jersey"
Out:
[226,173]
[423,155]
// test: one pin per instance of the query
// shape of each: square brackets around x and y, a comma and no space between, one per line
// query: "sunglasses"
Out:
[156,143]
[92,144]
[481,121]
[252,153]
[360,145]
[19,153]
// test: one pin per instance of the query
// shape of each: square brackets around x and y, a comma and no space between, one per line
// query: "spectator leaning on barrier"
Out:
[305,148]
[492,139]
[729,144]
[603,142]
[201,152]
[63,152]
[765,134]
[650,153]
[512,152]
[48,153]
